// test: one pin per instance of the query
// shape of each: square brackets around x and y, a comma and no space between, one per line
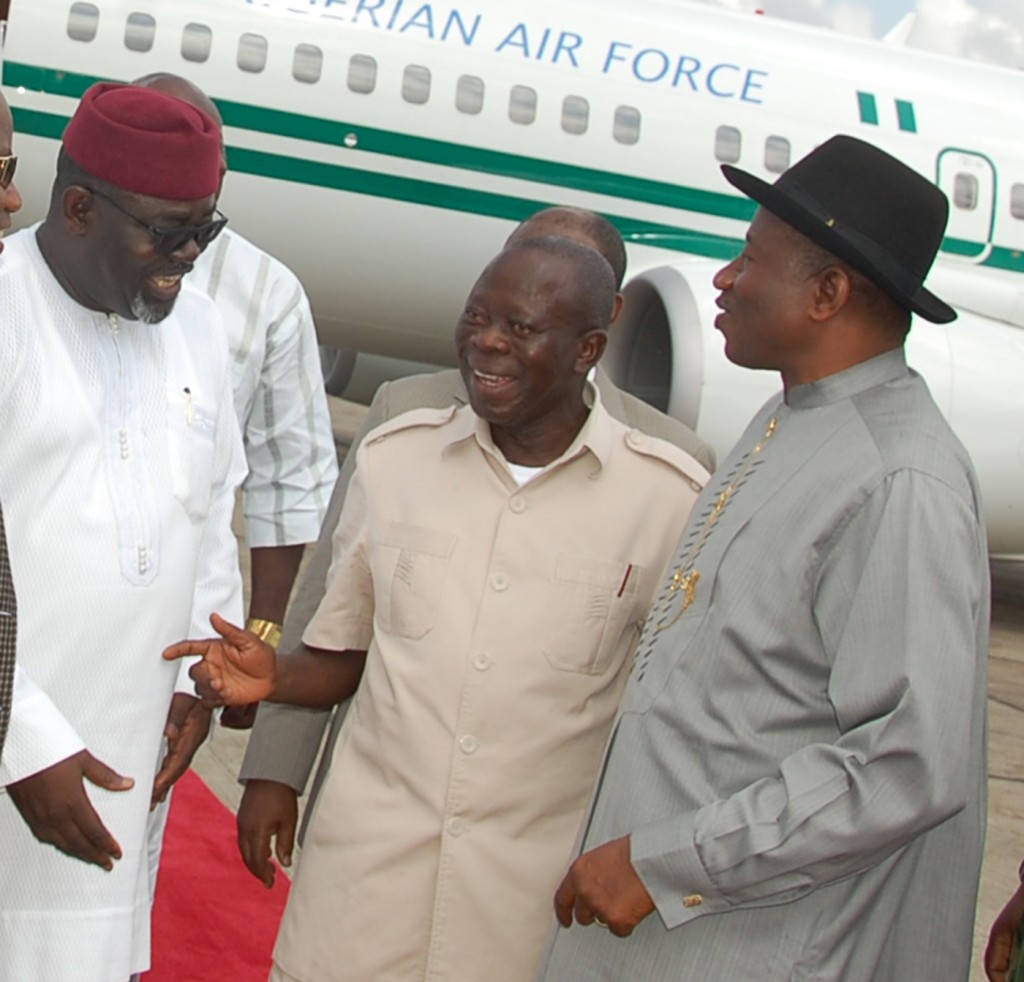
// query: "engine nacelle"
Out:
[665,349]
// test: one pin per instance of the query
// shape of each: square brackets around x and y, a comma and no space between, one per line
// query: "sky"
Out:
[985,30]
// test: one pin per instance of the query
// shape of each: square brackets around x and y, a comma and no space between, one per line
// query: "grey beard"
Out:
[146,312]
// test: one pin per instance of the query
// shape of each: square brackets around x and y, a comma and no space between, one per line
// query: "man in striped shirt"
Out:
[280,402]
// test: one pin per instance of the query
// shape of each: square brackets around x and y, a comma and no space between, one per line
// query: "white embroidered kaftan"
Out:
[120,455]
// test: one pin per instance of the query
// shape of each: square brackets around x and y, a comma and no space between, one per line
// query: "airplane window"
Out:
[416,84]
[1017,201]
[139,31]
[522,104]
[252,52]
[362,73]
[308,63]
[575,114]
[776,154]
[728,143]
[965,192]
[627,124]
[196,41]
[469,94]
[83,21]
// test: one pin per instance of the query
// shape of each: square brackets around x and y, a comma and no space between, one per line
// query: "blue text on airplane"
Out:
[649,65]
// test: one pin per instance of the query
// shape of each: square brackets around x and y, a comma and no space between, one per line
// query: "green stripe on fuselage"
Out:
[429,193]
[460,157]
[962,247]
[401,146]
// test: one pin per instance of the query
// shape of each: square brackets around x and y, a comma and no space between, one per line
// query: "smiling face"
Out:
[118,267]
[526,340]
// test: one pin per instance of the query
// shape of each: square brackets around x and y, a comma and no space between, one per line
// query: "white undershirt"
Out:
[523,474]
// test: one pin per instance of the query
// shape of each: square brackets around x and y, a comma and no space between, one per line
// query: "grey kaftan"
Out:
[799,758]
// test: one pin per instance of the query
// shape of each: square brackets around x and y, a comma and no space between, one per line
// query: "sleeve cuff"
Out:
[665,858]
[284,744]
[338,633]
[184,684]
[265,532]
[38,735]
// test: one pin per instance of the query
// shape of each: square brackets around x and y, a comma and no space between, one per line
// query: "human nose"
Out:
[11,200]
[724,278]
[490,337]
[187,252]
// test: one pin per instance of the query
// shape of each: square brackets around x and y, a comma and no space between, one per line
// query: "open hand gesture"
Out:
[237,668]
[57,809]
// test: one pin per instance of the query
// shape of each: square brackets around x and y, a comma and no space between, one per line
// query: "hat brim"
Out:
[816,227]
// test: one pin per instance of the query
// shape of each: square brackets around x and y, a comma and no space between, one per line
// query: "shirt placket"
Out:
[480,698]
[125,459]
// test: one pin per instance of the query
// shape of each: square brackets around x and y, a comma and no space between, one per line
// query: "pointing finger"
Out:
[185,648]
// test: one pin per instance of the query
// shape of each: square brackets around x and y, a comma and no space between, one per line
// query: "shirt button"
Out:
[482,662]
[499,582]
[633,438]
[518,505]
[468,744]
[693,900]
[456,826]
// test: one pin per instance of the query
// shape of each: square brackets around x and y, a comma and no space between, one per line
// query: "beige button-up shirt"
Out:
[500,623]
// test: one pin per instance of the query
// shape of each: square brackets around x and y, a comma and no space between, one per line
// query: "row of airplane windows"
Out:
[361,78]
[307,67]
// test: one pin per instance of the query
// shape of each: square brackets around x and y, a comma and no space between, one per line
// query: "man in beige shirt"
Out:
[286,740]
[491,567]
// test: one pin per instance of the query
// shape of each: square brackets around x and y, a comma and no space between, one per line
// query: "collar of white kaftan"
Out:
[887,367]
[596,434]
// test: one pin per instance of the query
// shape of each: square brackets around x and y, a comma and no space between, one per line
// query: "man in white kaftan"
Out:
[121,455]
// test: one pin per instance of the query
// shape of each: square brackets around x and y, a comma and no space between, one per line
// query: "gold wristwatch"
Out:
[269,631]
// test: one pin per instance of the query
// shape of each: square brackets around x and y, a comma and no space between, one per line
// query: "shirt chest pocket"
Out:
[410,565]
[590,604]
[191,439]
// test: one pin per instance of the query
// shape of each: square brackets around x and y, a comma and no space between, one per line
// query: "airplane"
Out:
[385,148]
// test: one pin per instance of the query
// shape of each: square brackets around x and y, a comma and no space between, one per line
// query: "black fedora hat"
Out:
[866,207]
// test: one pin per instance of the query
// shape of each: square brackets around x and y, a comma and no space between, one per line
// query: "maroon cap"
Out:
[145,141]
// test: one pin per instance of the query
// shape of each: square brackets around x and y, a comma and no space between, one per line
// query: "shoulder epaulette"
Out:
[410,420]
[692,470]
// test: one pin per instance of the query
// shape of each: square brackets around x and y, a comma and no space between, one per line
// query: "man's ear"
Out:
[832,291]
[616,308]
[78,207]
[591,347]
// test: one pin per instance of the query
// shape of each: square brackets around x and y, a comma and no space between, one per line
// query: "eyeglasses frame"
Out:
[8,165]
[202,235]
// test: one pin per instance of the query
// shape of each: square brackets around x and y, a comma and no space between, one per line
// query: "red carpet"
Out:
[212,920]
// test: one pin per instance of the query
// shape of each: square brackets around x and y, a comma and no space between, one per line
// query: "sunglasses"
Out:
[168,240]
[8,165]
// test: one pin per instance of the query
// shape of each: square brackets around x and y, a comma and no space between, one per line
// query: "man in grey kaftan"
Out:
[797,773]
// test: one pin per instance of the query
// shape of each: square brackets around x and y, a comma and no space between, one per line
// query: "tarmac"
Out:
[219,760]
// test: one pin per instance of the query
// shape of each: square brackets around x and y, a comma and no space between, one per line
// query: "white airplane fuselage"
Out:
[384,149]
